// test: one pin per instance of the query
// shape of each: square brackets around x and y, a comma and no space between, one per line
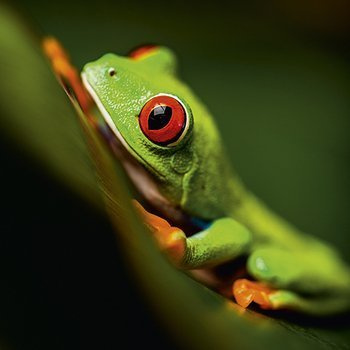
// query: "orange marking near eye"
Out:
[246,292]
[143,52]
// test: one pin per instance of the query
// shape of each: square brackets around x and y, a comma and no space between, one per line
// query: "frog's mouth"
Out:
[142,179]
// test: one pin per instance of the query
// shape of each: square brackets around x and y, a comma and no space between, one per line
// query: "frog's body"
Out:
[189,174]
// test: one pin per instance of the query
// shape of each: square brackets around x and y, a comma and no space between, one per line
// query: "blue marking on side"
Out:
[200,223]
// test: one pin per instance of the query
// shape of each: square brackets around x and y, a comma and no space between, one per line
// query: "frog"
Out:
[171,149]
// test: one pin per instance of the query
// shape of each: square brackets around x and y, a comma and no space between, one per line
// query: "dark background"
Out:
[276,76]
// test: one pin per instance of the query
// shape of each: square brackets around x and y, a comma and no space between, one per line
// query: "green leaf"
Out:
[35,111]
[36,114]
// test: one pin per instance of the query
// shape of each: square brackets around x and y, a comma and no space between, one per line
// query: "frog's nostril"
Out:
[111,72]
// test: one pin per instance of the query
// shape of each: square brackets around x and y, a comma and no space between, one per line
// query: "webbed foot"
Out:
[284,278]
[246,292]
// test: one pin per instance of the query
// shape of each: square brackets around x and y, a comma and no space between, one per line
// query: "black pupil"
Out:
[159,117]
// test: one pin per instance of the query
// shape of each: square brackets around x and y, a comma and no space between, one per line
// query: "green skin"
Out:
[195,177]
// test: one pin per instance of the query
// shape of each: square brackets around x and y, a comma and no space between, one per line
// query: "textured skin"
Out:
[196,176]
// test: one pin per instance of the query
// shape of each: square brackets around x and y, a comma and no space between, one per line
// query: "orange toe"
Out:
[246,292]
[170,239]
[155,223]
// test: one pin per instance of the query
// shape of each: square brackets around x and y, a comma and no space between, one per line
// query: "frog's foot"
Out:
[66,72]
[295,275]
[171,239]
[246,292]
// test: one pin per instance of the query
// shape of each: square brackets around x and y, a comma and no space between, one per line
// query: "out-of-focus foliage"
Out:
[39,117]
[34,108]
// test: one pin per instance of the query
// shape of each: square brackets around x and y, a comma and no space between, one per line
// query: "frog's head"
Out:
[159,121]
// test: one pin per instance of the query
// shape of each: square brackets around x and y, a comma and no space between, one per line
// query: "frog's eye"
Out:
[163,119]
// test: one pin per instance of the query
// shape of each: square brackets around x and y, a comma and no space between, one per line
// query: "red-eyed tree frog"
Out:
[170,147]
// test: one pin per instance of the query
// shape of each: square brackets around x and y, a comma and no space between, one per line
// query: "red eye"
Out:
[163,120]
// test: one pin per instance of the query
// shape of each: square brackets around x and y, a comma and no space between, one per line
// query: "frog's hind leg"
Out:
[317,270]
[291,275]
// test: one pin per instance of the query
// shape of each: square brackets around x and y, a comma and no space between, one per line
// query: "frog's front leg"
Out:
[224,240]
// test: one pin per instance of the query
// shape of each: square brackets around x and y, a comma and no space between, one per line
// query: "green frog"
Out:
[169,144]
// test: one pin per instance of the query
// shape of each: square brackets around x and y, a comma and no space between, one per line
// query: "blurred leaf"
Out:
[38,116]
[34,109]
